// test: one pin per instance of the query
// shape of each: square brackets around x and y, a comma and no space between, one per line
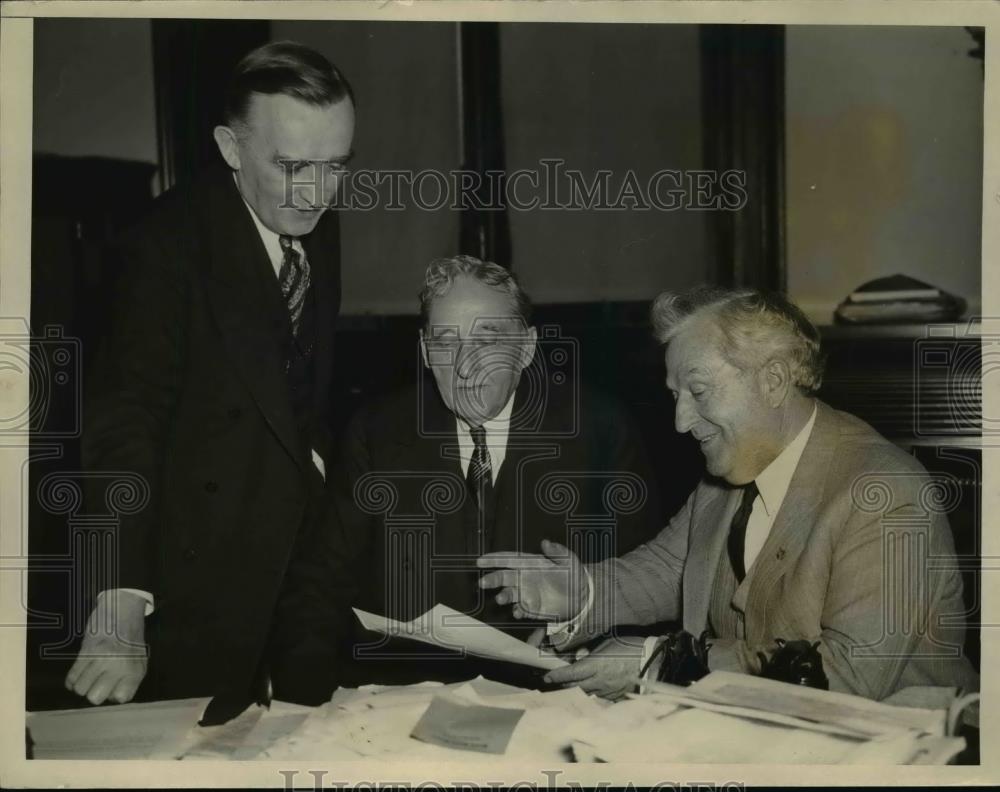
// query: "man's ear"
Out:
[229,145]
[528,348]
[776,381]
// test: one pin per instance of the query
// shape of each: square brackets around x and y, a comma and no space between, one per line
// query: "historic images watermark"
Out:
[550,186]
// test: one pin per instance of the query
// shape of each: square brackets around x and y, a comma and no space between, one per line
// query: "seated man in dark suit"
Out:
[499,448]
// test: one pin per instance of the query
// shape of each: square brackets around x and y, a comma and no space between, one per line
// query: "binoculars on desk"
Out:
[797,662]
[685,660]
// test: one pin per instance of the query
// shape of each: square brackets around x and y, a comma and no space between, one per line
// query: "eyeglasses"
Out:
[444,350]
[337,167]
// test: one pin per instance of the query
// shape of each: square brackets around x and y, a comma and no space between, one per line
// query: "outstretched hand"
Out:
[548,587]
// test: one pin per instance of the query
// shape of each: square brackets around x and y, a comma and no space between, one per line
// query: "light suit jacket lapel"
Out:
[793,525]
[789,534]
[709,530]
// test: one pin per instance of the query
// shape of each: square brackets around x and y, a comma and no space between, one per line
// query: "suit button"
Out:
[234,413]
[188,554]
[211,486]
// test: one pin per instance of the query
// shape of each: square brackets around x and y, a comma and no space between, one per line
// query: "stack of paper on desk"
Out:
[736,718]
[445,627]
[804,707]
[377,721]
[154,730]
[701,736]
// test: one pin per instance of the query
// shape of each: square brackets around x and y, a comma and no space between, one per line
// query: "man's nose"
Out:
[331,185]
[685,416]
[467,364]
[306,197]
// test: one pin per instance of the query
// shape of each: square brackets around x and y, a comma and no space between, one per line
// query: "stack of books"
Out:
[898,299]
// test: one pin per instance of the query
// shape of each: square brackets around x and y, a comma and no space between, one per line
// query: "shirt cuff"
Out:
[319,463]
[150,602]
[563,631]
[648,647]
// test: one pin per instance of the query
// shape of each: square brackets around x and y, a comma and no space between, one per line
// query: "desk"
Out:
[564,725]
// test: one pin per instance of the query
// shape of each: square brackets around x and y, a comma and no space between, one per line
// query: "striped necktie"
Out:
[738,530]
[480,474]
[294,280]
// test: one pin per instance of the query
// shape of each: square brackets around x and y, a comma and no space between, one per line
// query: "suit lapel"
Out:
[437,451]
[322,251]
[795,519]
[524,447]
[709,531]
[245,299]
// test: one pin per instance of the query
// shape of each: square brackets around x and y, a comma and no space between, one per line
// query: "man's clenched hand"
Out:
[112,659]
[610,671]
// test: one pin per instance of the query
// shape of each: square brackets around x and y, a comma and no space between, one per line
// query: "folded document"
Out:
[448,628]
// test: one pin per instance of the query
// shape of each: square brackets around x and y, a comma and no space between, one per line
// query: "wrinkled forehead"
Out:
[290,128]
[695,351]
[473,308]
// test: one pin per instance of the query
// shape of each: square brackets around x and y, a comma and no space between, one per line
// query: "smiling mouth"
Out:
[705,440]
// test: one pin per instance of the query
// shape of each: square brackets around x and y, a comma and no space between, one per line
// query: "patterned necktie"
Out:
[480,474]
[294,280]
[738,530]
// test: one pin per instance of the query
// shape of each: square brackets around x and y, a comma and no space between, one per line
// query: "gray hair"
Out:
[756,327]
[441,274]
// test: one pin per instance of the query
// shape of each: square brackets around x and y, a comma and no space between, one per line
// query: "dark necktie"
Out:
[480,475]
[738,530]
[294,280]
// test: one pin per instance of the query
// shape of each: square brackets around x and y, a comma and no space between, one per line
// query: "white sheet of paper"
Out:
[445,627]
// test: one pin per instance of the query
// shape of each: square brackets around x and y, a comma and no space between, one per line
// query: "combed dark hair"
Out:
[441,274]
[756,326]
[284,67]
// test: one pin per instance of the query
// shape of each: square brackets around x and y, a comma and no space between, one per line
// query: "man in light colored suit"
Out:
[808,526]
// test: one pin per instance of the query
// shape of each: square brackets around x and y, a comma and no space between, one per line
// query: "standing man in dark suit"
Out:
[497,446]
[213,386]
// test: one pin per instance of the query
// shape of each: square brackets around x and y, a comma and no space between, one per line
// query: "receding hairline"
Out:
[471,280]
[256,98]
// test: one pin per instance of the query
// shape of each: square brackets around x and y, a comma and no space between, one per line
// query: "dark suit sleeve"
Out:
[132,392]
[314,624]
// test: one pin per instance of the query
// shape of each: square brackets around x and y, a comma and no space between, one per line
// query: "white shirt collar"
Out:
[772,482]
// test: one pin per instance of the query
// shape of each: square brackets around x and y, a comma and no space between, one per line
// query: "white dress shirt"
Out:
[772,486]
[272,244]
